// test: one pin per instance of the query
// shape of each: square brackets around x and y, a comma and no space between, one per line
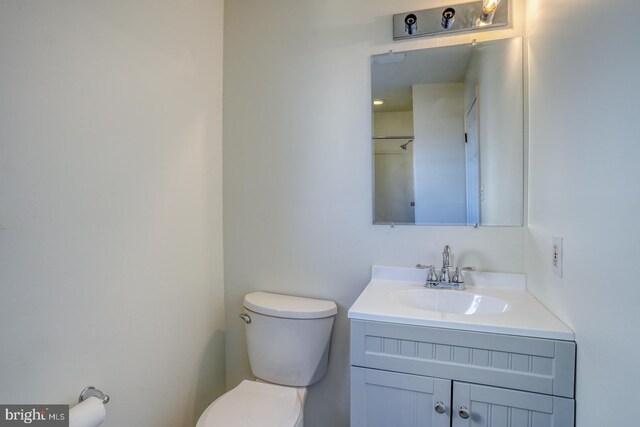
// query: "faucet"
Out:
[444,280]
[446,263]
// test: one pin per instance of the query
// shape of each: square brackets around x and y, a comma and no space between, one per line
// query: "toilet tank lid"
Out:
[288,306]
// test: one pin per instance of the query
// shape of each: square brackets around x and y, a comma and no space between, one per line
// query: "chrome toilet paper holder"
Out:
[91,391]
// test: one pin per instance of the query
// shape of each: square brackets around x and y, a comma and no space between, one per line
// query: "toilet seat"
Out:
[253,404]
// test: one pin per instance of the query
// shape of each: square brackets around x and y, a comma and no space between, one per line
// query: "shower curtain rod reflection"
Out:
[393,137]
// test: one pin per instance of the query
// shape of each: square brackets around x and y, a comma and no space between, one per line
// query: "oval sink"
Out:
[453,302]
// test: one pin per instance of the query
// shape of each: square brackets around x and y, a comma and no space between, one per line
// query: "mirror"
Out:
[448,135]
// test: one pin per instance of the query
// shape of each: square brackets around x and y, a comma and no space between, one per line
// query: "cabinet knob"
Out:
[440,408]
[464,412]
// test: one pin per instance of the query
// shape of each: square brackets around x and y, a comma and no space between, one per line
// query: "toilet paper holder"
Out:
[91,391]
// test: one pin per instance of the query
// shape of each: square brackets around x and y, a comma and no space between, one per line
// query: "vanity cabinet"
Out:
[415,376]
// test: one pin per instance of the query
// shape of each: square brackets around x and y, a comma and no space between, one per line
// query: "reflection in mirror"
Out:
[448,135]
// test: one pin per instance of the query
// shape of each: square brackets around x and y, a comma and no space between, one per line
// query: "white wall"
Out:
[495,77]
[439,154]
[584,151]
[393,123]
[110,206]
[298,169]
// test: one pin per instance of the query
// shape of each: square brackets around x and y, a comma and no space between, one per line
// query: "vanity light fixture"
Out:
[457,18]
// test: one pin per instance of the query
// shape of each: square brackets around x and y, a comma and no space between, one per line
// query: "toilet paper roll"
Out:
[89,413]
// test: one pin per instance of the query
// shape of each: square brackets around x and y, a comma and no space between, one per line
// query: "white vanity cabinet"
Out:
[418,376]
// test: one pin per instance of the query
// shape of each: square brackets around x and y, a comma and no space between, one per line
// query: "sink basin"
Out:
[453,302]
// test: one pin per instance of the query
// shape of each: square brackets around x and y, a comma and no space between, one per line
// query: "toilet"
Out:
[288,342]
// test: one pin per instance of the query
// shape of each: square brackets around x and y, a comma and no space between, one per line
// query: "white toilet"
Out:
[288,342]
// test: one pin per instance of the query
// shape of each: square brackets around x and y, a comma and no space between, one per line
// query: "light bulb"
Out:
[488,9]
[489,6]
[378,101]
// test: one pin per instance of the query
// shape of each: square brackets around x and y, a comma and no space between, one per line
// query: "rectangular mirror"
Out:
[448,142]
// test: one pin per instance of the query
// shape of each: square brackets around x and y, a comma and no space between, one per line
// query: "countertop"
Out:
[527,317]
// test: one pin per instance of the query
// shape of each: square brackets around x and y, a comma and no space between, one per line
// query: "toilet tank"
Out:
[288,337]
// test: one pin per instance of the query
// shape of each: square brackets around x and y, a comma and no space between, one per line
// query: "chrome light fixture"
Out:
[474,16]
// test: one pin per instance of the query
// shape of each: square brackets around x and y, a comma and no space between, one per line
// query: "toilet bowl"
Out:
[253,404]
[288,341]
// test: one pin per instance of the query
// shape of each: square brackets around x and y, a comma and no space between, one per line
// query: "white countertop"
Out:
[527,316]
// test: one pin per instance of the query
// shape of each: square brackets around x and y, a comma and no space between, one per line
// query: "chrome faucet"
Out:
[444,280]
[446,263]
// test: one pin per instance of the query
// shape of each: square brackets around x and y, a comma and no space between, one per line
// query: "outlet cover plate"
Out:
[556,256]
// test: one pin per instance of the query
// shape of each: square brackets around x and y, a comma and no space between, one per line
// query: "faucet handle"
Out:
[424,267]
[457,277]
[432,276]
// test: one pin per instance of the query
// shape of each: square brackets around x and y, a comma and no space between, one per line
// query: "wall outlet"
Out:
[556,256]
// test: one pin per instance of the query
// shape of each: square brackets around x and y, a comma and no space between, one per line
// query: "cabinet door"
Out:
[498,407]
[391,399]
